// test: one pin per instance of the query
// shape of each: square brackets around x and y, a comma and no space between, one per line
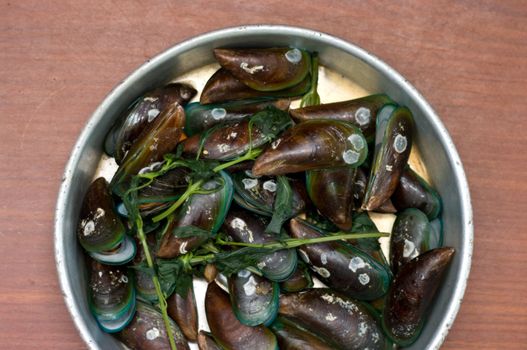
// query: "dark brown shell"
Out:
[184,311]
[292,337]
[206,341]
[412,293]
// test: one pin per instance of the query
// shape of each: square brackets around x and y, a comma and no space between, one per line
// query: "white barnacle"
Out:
[364,279]
[249,287]
[322,271]
[249,183]
[99,213]
[389,167]
[356,141]
[123,279]
[294,55]
[363,115]
[409,250]
[244,273]
[357,263]
[269,185]
[324,258]
[150,99]
[275,143]
[232,135]
[223,147]
[183,247]
[350,156]
[152,113]
[251,70]
[89,228]
[152,334]
[218,113]
[400,143]
[330,317]
[363,328]
[304,256]
[239,224]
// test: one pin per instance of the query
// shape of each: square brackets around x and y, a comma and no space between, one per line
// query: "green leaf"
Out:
[270,122]
[283,205]
[229,262]
[174,276]
[191,231]
[311,98]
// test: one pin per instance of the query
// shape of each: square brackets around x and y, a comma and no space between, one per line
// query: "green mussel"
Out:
[300,279]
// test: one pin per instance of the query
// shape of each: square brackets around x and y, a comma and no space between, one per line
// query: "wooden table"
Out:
[59,59]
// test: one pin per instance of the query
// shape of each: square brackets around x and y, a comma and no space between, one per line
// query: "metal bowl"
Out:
[433,141]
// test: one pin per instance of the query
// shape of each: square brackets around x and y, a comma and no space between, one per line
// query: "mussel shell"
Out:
[412,293]
[142,113]
[161,137]
[393,143]
[361,112]
[99,228]
[143,281]
[232,139]
[228,332]
[184,311]
[300,279]
[254,298]
[292,337]
[111,296]
[342,266]
[315,144]
[436,235]
[206,341]
[414,192]
[410,238]
[205,211]
[120,255]
[341,321]
[147,331]
[223,86]
[269,69]
[371,246]
[201,117]
[243,226]
[331,191]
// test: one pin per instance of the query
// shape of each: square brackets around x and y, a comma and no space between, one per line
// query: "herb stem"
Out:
[191,189]
[250,155]
[311,98]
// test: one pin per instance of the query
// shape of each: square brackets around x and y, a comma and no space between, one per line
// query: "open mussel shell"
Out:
[340,320]
[161,137]
[230,333]
[411,236]
[121,255]
[300,279]
[412,293]
[201,117]
[414,192]
[99,228]
[331,191]
[292,337]
[361,112]
[223,87]
[111,296]
[245,227]
[206,341]
[315,144]
[183,310]
[147,331]
[205,211]
[342,266]
[232,139]
[393,143]
[254,298]
[142,113]
[269,69]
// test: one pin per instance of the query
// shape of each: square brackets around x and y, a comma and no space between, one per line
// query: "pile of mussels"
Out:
[234,189]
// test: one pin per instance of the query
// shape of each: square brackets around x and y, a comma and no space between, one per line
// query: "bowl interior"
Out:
[433,141]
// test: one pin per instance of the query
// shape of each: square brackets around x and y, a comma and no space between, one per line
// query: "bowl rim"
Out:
[372,60]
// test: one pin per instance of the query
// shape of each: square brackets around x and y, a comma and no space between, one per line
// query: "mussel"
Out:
[254,298]
[223,87]
[414,192]
[183,310]
[292,337]
[331,191]
[111,296]
[100,230]
[412,235]
[201,117]
[206,341]
[245,227]
[231,139]
[412,293]
[266,69]
[371,246]
[144,285]
[341,321]
[161,137]
[300,279]
[142,113]
[341,266]
[314,144]
[361,112]
[228,332]
[205,211]
[393,143]
[147,331]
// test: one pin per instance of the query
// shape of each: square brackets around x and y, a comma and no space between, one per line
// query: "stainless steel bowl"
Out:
[433,141]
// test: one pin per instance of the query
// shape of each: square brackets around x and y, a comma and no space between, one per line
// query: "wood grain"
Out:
[58,59]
